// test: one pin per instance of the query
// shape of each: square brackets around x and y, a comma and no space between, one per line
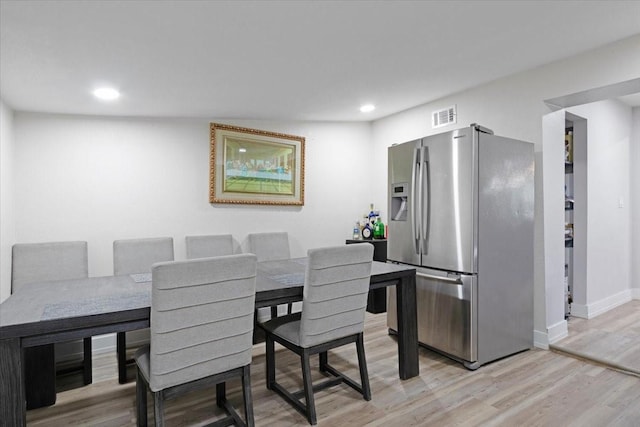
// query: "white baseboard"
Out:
[540,340]
[100,344]
[554,333]
[579,310]
[558,331]
[68,351]
[592,310]
[103,344]
[107,343]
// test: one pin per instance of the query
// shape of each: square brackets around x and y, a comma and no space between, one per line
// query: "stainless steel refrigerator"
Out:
[461,208]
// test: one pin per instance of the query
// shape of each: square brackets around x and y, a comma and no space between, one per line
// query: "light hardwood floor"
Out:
[533,388]
[613,338]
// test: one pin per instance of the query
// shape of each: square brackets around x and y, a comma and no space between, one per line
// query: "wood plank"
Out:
[612,338]
[535,387]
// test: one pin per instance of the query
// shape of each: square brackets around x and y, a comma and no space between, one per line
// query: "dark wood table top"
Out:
[39,308]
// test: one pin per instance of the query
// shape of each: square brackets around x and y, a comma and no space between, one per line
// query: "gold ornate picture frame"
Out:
[257,167]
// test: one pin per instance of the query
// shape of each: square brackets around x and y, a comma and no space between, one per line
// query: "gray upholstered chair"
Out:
[270,246]
[201,333]
[38,262]
[333,309]
[209,246]
[135,257]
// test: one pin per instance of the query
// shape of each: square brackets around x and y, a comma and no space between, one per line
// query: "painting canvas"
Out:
[255,167]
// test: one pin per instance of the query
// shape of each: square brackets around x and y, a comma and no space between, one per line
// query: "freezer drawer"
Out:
[446,305]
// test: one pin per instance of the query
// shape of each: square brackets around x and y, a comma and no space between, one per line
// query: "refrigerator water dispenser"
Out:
[399,196]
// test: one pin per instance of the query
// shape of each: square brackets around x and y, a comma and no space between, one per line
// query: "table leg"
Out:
[39,376]
[407,327]
[12,394]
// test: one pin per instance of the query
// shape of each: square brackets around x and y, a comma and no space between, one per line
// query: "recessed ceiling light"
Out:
[367,108]
[106,93]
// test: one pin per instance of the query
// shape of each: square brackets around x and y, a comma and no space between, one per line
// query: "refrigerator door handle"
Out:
[425,191]
[415,225]
[455,280]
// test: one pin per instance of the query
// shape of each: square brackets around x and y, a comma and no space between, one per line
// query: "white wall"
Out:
[7,231]
[514,107]
[608,244]
[99,179]
[634,160]
[552,177]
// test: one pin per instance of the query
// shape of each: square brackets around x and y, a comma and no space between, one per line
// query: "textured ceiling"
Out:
[297,60]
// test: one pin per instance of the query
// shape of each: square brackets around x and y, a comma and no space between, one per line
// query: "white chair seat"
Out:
[130,257]
[209,246]
[201,333]
[40,262]
[287,327]
[333,308]
[270,246]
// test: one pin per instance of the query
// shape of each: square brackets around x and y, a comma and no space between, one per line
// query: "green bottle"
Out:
[378,229]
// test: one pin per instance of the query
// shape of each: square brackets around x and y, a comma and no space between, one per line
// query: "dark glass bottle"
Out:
[378,229]
[367,233]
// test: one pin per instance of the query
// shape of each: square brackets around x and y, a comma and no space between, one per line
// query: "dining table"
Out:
[58,311]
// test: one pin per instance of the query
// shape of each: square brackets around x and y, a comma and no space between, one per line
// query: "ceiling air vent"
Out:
[443,117]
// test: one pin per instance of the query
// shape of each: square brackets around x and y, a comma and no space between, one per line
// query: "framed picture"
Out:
[253,166]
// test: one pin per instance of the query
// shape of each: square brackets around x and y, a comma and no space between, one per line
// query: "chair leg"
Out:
[141,399]
[246,394]
[271,362]
[158,408]
[87,364]
[258,333]
[324,361]
[221,394]
[121,349]
[308,388]
[362,363]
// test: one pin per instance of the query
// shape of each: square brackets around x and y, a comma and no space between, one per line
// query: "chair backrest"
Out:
[209,246]
[38,262]
[271,246]
[335,293]
[133,256]
[201,318]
